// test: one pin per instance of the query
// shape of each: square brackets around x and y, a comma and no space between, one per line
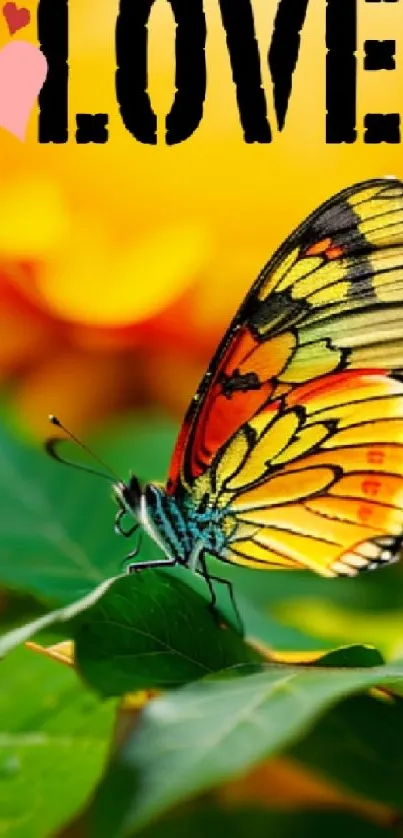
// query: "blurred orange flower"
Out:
[122,263]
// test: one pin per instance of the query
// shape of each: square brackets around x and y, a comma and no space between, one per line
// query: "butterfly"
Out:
[290,455]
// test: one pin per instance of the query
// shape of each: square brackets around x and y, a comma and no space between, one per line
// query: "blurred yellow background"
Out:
[121,264]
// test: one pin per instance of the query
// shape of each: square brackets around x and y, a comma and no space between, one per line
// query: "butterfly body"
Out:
[182,529]
[291,453]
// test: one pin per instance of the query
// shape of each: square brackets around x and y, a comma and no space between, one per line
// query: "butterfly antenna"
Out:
[50,447]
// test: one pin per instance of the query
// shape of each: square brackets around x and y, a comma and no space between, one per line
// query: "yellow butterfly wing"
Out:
[330,299]
[317,481]
[296,432]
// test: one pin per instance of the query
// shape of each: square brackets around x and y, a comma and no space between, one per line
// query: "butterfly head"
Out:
[128,495]
[146,505]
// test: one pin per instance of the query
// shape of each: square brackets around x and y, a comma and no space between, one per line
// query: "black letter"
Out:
[284,50]
[131,74]
[238,21]
[53,39]
[381,128]
[190,74]
[341,71]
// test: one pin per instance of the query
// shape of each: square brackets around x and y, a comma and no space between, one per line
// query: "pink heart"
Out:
[23,70]
[16,18]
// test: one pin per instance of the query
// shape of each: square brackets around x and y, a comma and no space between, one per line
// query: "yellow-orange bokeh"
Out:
[205,213]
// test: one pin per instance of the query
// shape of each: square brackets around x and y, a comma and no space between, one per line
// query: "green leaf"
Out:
[16,607]
[56,529]
[62,615]
[359,744]
[198,736]
[152,631]
[53,743]
[59,521]
[56,526]
[349,656]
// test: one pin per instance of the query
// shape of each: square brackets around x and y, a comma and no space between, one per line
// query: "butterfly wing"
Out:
[330,299]
[323,321]
[316,479]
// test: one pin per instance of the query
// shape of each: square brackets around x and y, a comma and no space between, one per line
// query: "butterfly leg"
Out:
[118,527]
[135,566]
[213,601]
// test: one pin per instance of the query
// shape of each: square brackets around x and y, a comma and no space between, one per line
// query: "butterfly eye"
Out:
[132,493]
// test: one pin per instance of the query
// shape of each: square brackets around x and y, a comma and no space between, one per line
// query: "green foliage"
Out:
[53,742]
[152,632]
[360,745]
[52,544]
[213,730]
[224,708]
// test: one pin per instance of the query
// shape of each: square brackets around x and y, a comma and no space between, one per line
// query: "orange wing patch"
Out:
[326,248]
[241,386]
